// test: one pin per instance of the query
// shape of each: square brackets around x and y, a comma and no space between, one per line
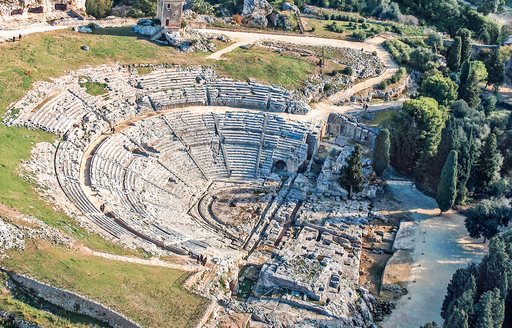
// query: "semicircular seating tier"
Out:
[139,184]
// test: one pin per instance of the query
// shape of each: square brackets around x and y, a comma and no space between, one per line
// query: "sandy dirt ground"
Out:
[441,247]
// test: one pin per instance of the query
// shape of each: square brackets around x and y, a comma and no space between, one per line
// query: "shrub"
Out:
[359,35]
[348,71]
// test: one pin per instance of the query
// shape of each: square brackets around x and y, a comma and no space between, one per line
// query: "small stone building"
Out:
[169,13]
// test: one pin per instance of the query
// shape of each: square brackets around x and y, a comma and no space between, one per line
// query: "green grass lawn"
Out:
[151,296]
[378,119]
[265,66]
[94,88]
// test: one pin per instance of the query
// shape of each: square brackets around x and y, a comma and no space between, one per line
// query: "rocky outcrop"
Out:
[10,319]
[186,40]
[256,13]
[13,234]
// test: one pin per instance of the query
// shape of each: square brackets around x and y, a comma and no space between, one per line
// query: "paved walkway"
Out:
[6,35]
[154,261]
[442,246]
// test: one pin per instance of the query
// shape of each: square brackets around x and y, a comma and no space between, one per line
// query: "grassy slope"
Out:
[40,57]
[126,287]
[265,66]
[129,288]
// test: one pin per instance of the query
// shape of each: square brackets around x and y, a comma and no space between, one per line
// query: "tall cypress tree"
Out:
[496,268]
[447,188]
[457,319]
[381,152]
[352,177]
[461,291]
[466,159]
[465,36]
[489,162]
[454,54]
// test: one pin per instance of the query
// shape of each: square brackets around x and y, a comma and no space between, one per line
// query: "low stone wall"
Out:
[70,301]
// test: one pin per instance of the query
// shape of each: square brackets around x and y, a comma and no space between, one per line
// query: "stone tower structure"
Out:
[169,13]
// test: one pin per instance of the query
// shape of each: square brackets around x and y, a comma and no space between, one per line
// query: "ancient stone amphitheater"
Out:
[136,160]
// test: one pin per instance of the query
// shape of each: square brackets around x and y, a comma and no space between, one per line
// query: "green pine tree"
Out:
[381,152]
[352,177]
[454,55]
[447,188]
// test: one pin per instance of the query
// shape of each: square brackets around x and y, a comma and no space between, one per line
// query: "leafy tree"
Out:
[98,8]
[381,152]
[447,188]
[494,66]
[465,36]
[454,55]
[509,123]
[202,7]
[435,40]
[430,119]
[140,8]
[488,102]
[487,7]
[422,59]
[440,88]
[489,162]
[485,219]
[460,109]
[352,177]
[490,310]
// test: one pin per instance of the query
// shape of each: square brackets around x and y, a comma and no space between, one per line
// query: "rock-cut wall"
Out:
[71,301]
[340,125]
